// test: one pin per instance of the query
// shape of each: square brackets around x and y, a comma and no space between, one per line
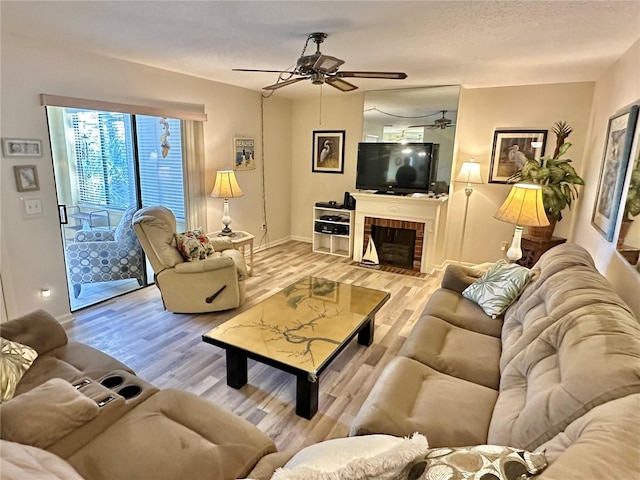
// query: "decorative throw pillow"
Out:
[15,360]
[357,458]
[46,413]
[498,287]
[482,462]
[194,245]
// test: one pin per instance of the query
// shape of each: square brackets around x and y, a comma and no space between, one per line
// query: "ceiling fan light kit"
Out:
[320,68]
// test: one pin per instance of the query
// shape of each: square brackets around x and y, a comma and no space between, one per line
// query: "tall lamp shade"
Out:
[226,187]
[469,174]
[523,207]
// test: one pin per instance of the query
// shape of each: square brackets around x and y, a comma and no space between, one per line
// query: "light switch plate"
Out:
[32,206]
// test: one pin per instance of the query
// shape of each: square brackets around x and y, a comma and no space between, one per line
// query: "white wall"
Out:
[339,112]
[481,112]
[32,248]
[618,88]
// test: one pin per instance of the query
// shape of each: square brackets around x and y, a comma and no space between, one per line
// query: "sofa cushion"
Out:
[372,456]
[21,462]
[481,462]
[586,358]
[603,443]
[440,345]
[498,287]
[411,397]
[457,310]
[15,360]
[172,435]
[38,329]
[42,416]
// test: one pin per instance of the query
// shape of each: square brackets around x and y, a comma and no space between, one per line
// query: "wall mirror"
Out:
[629,229]
[415,115]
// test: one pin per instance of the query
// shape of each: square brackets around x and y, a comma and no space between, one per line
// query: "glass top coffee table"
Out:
[299,330]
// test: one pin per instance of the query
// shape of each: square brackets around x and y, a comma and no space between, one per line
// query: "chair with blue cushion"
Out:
[105,255]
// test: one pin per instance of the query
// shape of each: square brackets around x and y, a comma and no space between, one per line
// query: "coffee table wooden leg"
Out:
[306,396]
[365,335]
[236,368]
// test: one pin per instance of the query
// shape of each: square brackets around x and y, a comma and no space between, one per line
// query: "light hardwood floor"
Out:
[166,349]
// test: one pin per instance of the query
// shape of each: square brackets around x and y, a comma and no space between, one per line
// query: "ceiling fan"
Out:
[320,68]
[441,123]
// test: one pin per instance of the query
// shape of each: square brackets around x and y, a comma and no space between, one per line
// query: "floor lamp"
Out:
[523,207]
[226,187]
[469,174]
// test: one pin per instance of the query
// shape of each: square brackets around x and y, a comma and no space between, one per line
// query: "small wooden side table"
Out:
[533,248]
[240,241]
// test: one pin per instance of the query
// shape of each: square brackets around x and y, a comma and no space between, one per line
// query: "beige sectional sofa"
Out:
[559,372]
[140,433]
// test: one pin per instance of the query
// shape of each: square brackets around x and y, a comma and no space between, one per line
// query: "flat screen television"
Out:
[397,168]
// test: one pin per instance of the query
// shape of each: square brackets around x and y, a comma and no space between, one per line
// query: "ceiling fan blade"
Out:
[255,70]
[387,75]
[340,84]
[277,85]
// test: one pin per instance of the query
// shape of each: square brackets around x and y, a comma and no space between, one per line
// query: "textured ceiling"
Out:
[473,43]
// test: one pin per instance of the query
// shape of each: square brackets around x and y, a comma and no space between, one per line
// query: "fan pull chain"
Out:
[320,110]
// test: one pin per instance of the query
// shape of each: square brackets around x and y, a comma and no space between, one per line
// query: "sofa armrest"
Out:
[39,330]
[213,262]
[459,277]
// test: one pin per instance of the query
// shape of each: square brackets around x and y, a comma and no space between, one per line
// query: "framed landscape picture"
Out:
[328,151]
[511,149]
[612,173]
[26,178]
[244,153]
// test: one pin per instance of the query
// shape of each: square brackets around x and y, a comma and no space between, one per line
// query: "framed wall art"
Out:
[511,149]
[328,151]
[16,147]
[26,178]
[613,170]
[244,153]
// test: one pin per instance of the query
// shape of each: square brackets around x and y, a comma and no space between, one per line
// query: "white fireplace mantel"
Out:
[423,209]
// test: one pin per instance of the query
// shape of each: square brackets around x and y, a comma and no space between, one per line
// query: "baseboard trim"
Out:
[66,318]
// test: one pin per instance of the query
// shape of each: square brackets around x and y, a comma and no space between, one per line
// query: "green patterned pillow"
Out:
[498,287]
[15,360]
[482,462]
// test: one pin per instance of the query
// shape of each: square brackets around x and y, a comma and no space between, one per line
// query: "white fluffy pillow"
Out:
[356,458]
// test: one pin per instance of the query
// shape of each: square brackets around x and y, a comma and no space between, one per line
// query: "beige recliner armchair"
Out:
[213,284]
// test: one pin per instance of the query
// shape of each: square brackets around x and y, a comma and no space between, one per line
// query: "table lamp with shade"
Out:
[469,174]
[523,207]
[226,187]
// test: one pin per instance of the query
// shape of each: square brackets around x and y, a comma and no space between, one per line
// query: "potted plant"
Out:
[632,204]
[557,178]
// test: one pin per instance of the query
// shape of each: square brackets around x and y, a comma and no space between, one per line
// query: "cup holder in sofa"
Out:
[130,391]
[113,381]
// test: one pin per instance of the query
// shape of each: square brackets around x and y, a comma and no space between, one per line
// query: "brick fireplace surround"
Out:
[403,224]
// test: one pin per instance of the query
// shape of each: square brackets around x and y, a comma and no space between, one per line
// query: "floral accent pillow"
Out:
[499,287]
[15,360]
[194,245]
[482,462]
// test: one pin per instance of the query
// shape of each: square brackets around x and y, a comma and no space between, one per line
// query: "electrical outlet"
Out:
[264,227]
[504,246]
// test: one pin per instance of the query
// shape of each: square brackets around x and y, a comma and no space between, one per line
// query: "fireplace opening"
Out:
[395,245]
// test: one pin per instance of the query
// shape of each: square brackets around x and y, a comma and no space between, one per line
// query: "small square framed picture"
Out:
[26,178]
[16,147]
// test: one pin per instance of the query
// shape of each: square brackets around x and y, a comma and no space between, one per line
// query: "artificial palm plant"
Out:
[556,176]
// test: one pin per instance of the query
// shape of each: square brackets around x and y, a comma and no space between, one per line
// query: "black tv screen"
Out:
[396,168]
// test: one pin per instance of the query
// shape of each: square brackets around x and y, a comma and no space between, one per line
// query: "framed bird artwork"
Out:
[511,150]
[328,151]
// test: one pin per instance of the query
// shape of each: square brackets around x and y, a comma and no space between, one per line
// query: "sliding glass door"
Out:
[107,165]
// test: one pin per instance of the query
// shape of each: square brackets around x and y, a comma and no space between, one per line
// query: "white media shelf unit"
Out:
[333,244]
